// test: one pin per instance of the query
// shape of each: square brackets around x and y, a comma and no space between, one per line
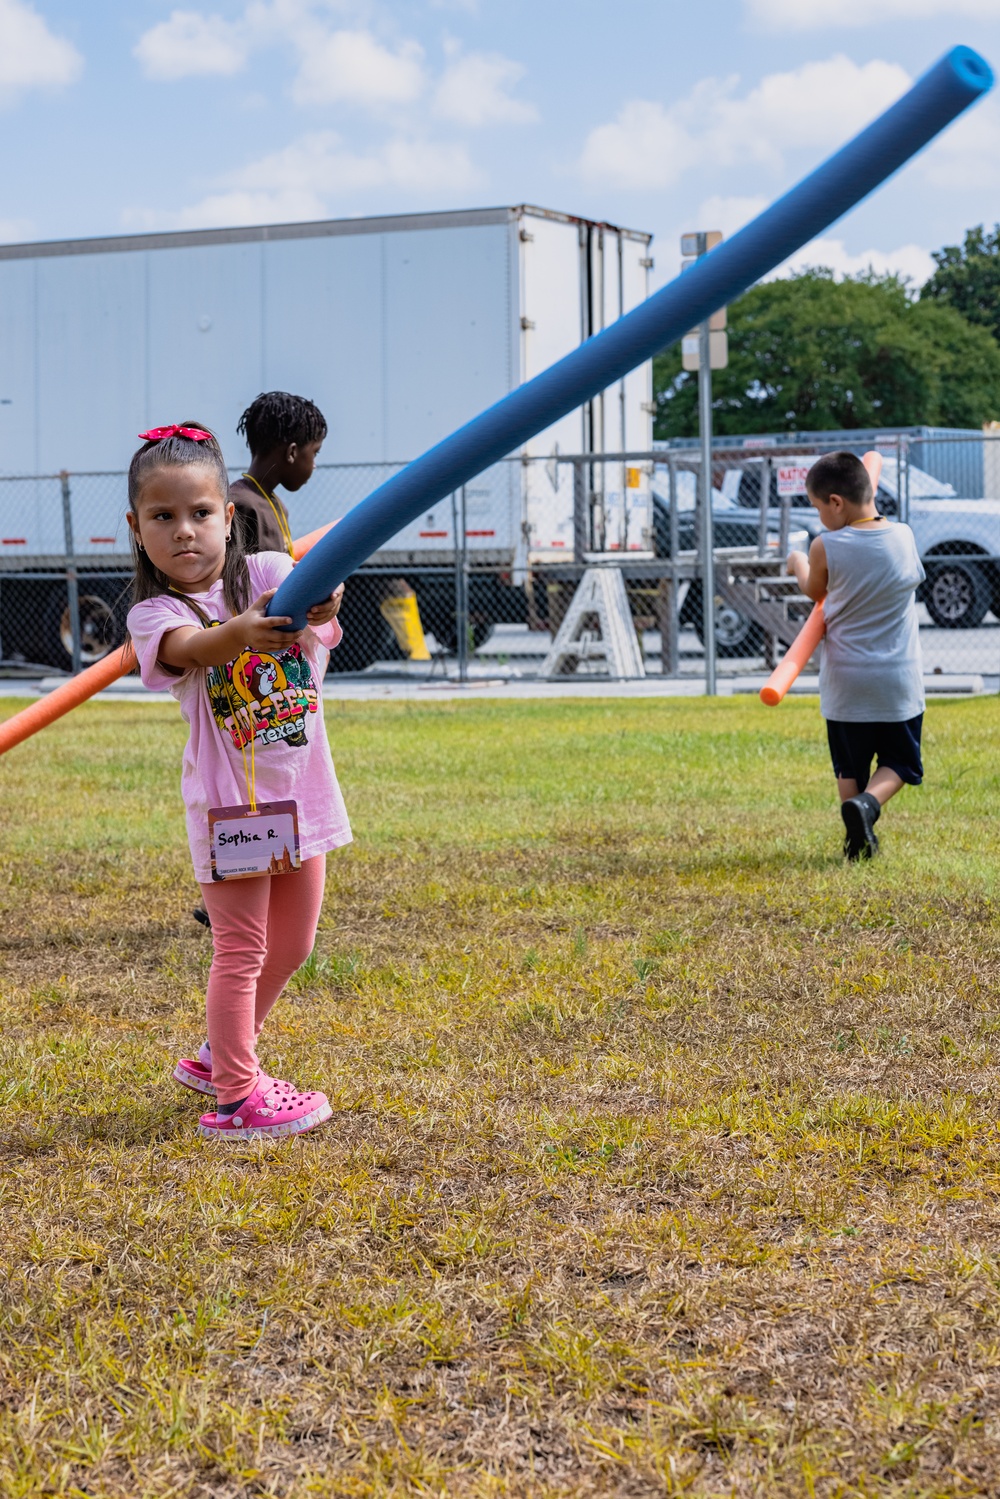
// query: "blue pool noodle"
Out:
[949,87]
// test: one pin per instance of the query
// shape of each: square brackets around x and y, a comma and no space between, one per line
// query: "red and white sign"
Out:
[792,478]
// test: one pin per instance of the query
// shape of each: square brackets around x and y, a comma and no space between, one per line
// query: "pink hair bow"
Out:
[157,434]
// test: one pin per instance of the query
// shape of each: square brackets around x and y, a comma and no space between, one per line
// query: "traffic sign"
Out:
[792,478]
[691,244]
[718,351]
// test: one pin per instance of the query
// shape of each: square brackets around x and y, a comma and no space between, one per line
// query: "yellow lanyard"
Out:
[867,520]
[249,773]
[283,526]
[250,776]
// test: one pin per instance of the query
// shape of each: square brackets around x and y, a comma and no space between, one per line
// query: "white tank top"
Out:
[870,668]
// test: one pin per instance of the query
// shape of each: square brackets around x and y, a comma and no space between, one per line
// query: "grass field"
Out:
[664,1156]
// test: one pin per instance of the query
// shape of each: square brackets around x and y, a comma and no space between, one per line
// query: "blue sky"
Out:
[659,114]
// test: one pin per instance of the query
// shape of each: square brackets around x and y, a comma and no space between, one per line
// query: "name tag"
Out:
[246,843]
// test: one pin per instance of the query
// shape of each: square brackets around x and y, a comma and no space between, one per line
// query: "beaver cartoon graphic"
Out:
[257,678]
[263,676]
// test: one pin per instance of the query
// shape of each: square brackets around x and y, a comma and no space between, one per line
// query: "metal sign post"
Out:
[72,583]
[712,350]
[707,538]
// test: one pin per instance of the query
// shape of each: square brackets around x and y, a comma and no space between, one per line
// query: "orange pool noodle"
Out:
[794,659]
[307,542]
[811,633]
[77,690]
[64,697]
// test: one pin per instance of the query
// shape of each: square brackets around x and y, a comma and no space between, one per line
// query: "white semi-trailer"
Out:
[400,328]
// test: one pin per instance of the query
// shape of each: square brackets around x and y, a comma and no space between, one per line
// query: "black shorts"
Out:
[896,746]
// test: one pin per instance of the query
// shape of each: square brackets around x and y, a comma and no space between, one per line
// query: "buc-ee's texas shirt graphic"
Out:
[264,697]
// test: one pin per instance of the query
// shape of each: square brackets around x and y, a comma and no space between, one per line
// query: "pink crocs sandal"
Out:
[196,1072]
[274,1108]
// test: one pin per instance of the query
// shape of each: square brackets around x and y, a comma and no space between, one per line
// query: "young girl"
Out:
[252,695]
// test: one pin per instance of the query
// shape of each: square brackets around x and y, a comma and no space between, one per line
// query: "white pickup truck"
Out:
[958,540]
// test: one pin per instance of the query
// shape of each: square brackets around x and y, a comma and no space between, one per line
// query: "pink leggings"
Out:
[263,929]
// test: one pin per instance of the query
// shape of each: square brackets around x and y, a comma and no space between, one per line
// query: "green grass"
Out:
[664,1157]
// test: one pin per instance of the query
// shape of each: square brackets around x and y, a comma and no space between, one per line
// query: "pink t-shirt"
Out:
[284,693]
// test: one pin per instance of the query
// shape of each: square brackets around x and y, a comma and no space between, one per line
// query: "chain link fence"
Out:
[551,566]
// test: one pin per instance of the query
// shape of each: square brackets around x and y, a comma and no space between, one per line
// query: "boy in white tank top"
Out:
[867,571]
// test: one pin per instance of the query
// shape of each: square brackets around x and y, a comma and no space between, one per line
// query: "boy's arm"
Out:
[811,573]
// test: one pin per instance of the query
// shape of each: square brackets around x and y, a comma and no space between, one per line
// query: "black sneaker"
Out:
[200,914]
[860,814]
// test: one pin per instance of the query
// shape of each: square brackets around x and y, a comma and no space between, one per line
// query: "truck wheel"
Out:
[102,627]
[735,634]
[957,595]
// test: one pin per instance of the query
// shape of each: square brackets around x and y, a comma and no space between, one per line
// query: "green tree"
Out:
[968,278]
[809,353]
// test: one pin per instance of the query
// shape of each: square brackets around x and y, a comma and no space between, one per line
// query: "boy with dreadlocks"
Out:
[284,434]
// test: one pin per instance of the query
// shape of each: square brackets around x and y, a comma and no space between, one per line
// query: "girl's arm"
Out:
[811,573]
[190,646]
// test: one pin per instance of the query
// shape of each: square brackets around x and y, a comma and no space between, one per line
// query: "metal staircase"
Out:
[759,588]
[597,632]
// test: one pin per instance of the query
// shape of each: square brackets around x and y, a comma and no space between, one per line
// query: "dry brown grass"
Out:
[664,1158]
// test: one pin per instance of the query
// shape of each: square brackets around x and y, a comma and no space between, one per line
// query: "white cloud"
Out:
[474,91]
[967,156]
[352,67]
[910,261]
[32,56]
[730,214]
[804,15]
[818,105]
[645,147]
[310,178]
[188,44]
[346,65]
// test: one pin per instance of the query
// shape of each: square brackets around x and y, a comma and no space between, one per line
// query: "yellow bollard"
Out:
[401,614]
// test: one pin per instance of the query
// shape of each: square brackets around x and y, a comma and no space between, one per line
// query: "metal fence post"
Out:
[669,627]
[458,512]
[581,513]
[72,585]
[707,541]
[767,469]
[463,660]
[784,525]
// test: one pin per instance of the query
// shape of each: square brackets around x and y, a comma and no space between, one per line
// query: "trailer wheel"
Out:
[102,627]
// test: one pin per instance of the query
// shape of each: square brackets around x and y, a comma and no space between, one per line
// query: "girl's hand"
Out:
[321,614]
[190,646]
[260,631]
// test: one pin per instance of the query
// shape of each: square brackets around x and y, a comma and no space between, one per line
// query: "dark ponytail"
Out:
[178,451]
